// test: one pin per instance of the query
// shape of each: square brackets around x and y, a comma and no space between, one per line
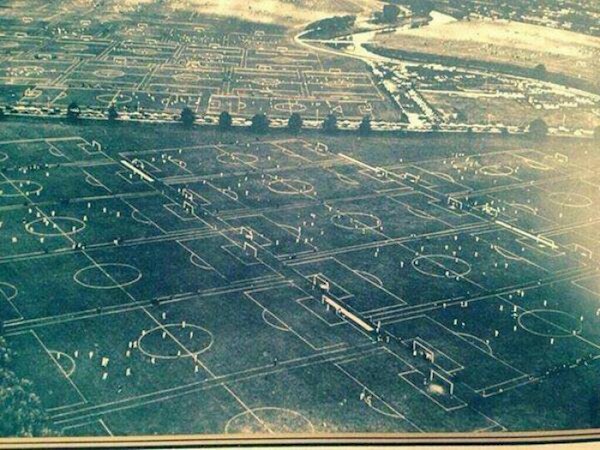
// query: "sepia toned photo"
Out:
[229,222]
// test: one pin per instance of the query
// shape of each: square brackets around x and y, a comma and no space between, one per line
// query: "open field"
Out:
[517,43]
[187,282]
[508,111]
[291,12]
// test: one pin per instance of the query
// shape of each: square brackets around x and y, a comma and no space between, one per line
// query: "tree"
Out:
[538,128]
[187,116]
[21,411]
[331,26]
[1,113]
[390,13]
[330,123]
[112,113]
[295,123]
[540,69]
[73,111]
[260,123]
[364,127]
[225,121]
[5,353]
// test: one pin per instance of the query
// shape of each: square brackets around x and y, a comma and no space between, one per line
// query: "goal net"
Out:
[250,249]
[436,377]
[322,282]
[454,203]
[420,349]
[248,233]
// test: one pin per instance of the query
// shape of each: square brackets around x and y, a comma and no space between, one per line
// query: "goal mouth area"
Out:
[420,349]
[440,384]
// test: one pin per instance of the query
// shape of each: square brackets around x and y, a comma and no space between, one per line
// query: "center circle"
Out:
[185,77]
[237,158]
[55,226]
[339,83]
[108,73]
[143,51]
[175,340]
[570,199]
[441,266]
[107,276]
[290,186]
[3,156]
[214,57]
[75,47]
[497,170]
[115,100]
[267,82]
[356,221]
[289,107]
[549,323]
[269,419]
[15,188]
[27,71]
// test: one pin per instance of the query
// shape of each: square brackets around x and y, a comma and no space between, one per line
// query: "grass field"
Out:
[145,59]
[186,296]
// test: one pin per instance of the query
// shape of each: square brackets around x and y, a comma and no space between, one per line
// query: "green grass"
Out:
[484,297]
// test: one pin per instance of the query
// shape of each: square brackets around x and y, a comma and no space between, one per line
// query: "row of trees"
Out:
[330,27]
[538,128]
[260,122]
[21,412]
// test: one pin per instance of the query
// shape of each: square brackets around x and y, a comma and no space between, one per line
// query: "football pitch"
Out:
[161,65]
[209,283]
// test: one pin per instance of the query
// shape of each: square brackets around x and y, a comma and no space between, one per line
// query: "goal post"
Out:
[490,210]
[322,282]
[188,207]
[411,177]
[251,249]
[381,173]
[248,233]
[187,194]
[437,377]
[137,163]
[583,251]
[422,349]
[320,147]
[454,203]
